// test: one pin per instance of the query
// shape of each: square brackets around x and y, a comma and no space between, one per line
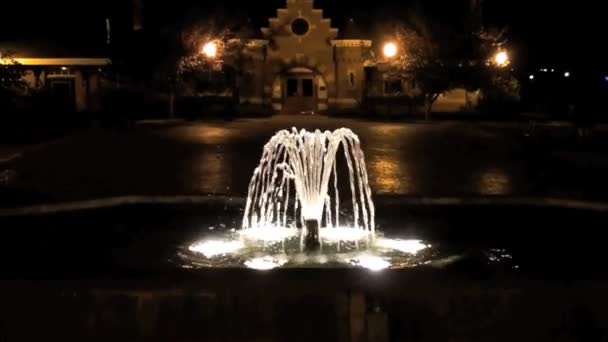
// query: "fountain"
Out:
[296,185]
[295,213]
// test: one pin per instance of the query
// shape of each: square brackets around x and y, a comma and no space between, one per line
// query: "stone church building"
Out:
[302,66]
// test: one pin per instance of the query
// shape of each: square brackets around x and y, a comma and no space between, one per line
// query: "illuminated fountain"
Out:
[296,186]
[294,214]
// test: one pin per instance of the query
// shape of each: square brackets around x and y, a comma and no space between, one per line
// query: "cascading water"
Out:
[296,184]
[295,190]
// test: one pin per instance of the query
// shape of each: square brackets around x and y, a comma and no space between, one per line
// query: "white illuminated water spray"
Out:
[294,192]
[296,183]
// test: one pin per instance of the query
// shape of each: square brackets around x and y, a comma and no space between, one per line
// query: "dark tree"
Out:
[11,80]
[421,60]
[499,87]
[230,39]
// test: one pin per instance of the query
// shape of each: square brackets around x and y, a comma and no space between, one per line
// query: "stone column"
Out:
[357,317]
[377,326]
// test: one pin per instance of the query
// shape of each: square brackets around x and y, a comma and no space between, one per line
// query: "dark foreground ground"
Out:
[407,158]
[103,274]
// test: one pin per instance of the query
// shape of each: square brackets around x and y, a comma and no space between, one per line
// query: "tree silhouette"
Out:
[11,80]
[233,56]
[421,60]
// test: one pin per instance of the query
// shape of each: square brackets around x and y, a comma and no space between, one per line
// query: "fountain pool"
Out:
[296,215]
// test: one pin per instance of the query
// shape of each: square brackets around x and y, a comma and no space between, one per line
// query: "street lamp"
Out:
[210,50]
[390,50]
[501,58]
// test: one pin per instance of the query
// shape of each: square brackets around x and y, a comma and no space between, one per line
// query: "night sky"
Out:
[541,31]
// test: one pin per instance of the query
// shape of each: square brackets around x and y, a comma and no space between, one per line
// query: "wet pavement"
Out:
[415,158]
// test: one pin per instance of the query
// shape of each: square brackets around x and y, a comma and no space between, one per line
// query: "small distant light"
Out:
[606,78]
[552,70]
[566,74]
[531,77]
[64,68]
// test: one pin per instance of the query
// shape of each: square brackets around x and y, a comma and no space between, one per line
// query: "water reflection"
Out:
[265,263]
[494,182]
[389,174]
[371,262]
[404,246]
[237,250]
[205,134]
[213,248]
[500,256]
[209,172]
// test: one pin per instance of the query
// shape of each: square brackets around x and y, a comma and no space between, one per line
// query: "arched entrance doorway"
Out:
[299,93]
[302,90]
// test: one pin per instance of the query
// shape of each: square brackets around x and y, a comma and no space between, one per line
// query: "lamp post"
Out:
[210,51]
[389,50]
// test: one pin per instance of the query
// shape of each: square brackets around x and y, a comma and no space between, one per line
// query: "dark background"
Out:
[560,34]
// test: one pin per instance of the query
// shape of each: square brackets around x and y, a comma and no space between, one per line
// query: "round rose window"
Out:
[299,27]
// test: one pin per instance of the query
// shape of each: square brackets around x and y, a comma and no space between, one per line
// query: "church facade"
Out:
[302,66]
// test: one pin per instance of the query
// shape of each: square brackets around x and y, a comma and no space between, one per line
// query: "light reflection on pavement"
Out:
[418,159]
[494,182]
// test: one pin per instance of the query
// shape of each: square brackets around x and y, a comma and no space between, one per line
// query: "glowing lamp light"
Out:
[531,77]
[389,50]
[501,59]
[210,50]
[566,74]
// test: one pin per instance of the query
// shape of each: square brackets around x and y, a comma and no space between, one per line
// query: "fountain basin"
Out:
[116,265]
[151,235]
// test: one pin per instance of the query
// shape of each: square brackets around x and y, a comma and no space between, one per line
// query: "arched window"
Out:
[351,79]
